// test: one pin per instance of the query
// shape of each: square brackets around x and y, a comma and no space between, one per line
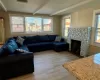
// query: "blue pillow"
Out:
[11,46]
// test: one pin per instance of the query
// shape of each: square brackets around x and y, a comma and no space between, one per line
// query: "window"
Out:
[47,25]
[33,24]
[67,22]
[17,24]
[30,24]
[97,37]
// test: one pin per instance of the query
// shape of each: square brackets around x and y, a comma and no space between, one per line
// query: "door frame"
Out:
[63,23]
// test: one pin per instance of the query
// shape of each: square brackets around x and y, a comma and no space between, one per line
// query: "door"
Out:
[67,23]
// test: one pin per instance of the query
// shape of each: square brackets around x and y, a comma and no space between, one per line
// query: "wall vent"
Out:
[24,1]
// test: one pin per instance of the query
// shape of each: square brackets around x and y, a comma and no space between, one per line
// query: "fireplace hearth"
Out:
[75,47]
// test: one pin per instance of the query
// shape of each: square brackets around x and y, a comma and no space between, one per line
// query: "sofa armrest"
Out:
[16,65]
[15,58]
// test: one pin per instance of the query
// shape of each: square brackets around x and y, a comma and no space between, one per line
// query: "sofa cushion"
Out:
[31,39]
[11,47]
[58,39]
[36,47]
[44,38]
[52,37]
[59,43]
[20,40]
[40,44]
[28,40]
[36,38]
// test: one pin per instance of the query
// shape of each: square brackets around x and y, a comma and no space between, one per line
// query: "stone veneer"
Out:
[80,34]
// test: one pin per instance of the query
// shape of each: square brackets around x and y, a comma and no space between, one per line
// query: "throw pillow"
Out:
[11,47]
[20,40]
[21,51]
[58,39]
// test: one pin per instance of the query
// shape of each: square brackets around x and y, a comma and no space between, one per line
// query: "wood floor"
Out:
[48,66]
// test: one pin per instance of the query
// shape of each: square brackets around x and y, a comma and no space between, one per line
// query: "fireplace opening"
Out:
[75,47]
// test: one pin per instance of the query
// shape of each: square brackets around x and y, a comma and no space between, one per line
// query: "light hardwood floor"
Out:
[48,66]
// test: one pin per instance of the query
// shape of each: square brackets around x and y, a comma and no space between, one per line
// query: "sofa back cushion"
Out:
[58,39]
[31,39]
[37,39]
[52,37]
[44,38]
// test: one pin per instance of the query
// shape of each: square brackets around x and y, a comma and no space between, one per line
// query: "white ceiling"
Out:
[52,7]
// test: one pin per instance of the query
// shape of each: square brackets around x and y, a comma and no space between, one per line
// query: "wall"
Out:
[2,39]
[5,15]
[84,18]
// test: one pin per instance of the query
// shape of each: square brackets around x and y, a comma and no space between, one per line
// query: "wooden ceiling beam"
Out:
[71,7]
[41,6]
[3,6]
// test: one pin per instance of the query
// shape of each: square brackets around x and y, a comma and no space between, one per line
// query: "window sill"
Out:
[32,33]
[97,44]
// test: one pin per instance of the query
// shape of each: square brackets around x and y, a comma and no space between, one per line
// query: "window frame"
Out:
[24,32]
[96,22]
[33,32]
[11,24]
[63,24]
[94,28]
[51,24]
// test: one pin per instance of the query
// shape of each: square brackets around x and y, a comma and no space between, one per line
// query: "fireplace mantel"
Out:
[83,35]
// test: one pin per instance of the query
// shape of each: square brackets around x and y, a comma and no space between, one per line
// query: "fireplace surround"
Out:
[80,34]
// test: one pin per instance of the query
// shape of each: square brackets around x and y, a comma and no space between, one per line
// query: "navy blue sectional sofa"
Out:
[46,42]
[13,63]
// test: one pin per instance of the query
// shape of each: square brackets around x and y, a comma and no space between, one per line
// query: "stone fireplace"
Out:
[82,38]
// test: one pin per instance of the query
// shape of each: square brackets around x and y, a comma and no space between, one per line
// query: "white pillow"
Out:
[58,39]
[20,40]
[21,50]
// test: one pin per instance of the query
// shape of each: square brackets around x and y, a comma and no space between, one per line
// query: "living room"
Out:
[48,39]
